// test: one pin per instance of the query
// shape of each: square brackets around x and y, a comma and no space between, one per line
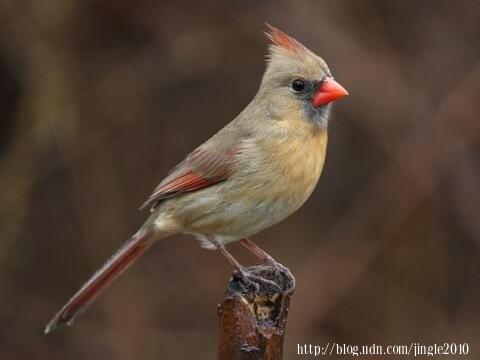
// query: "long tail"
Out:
[121,261]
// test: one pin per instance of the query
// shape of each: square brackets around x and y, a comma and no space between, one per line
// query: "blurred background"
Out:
[100,99]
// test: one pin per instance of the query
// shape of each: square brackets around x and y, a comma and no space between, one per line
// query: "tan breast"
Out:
[287,162]
[299,161]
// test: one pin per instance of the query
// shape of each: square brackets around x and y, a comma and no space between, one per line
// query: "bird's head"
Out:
[297,81]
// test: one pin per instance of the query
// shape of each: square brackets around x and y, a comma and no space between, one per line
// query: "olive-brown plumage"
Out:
[253,173]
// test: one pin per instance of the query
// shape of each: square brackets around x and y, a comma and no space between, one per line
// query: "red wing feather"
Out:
[188,182]
[201,169]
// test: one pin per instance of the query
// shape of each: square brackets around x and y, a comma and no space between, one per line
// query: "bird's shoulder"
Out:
[207,165]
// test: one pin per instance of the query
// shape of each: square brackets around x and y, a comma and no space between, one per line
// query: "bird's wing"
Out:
[204,167]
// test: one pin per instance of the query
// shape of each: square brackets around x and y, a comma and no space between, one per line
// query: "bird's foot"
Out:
[256,281]
[270,261]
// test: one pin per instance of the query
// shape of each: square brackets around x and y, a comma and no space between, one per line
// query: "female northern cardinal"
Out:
[253,173]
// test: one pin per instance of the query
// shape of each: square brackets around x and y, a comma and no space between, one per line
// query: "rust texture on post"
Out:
[253,314]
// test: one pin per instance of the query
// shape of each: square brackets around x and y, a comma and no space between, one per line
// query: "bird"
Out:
[253,173]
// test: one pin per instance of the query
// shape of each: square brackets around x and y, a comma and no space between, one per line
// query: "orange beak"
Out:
[329,91]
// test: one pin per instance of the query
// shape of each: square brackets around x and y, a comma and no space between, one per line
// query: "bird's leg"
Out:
[229,256]
[244,273]
[266,258]
[258,251]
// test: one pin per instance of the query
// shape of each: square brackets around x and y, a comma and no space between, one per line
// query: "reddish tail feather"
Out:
[121,261]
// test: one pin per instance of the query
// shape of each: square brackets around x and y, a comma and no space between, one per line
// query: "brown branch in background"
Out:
[253,315]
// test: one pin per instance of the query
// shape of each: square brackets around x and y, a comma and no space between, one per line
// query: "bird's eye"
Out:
[298,85]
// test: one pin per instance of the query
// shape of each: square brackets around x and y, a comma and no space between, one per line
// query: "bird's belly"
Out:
[267,187]
[231,219]
[260,194]
[241,218]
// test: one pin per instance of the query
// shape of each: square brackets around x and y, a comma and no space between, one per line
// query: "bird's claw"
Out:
[282,269]
[256,281]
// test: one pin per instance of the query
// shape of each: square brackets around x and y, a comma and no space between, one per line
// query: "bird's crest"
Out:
[283,41]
